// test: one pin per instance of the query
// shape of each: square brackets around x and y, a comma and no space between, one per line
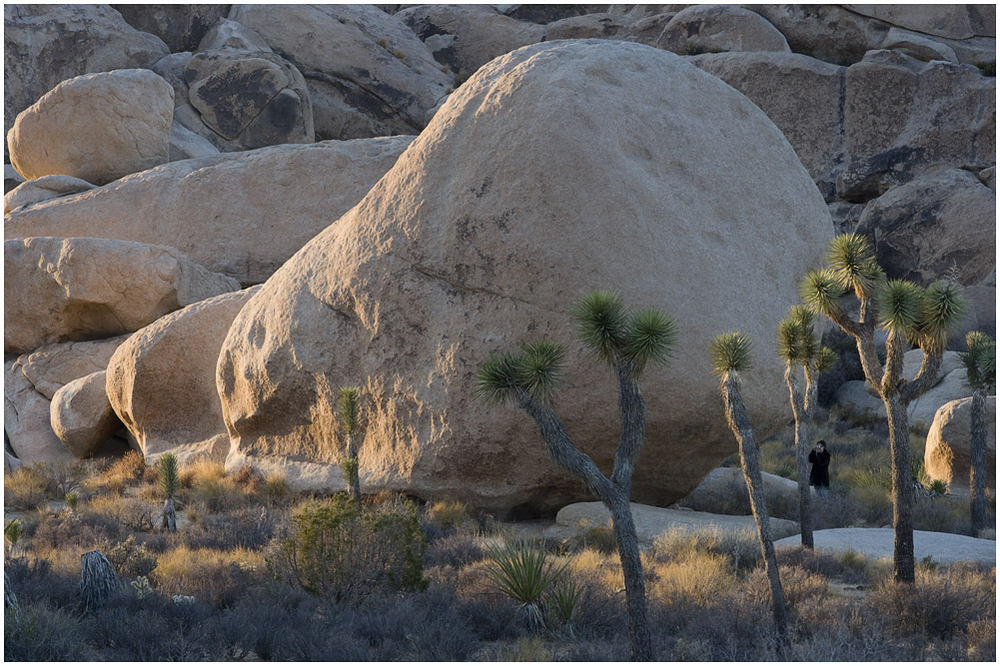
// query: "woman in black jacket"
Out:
[820,474]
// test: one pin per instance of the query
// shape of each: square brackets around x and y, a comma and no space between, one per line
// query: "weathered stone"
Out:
[161,381]
[58,289]
[724,491]
[944,20]
[715,28]
[652,521]
[826,32]
[950,361]
[947,453]
[941,219]
[988,177]
[242,214]
[466,37]
[171,69]
[471,244]
[801,95]
[369,75]
[548,13]
[98,127]
[251,100]
[43,189]
[226,34]
[81,415]
[952,387]
[11,178]
[186,145]
[46,44]
[918,46]
[590,26]
[181,27]
[30,382]
[854,394]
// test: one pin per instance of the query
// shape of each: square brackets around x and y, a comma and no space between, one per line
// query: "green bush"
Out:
[341,550]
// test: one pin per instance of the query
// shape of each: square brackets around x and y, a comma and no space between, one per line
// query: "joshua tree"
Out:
[166,470]
[528,379]
[797,344]
[348,403]
[910,314]
[980,368]
[731,356]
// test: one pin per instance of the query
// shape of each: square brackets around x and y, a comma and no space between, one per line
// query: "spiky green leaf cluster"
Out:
[925,316]
[166,471]
[533,372]
[796,338]
[730,352]
[825,359]
[820,290]
[852,263]
[943,308]
[618,336]
[347,402]
[980,360]
[900,306]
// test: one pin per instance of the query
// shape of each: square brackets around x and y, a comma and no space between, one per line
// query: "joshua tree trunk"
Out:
[98,580]
[801,460]
[902,490]
[168,518]
[354,483]
[977,465]
[9,598]
[739,422]
[635,586]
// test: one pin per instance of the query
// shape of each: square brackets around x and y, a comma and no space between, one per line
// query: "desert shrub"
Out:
[35,581]
[454,550]
[527,649]
[449,517]
[936,513]
[81,531]
[852,568]
[739,546]
[525,573]
[42,633]
[130,559]
[981,636]
[129,470]
[870,504]
[214,576]
[692,576]
[341,550]
[149,629]
[249,528]
[131,513]
[27,487]
[201,471]
[275,489]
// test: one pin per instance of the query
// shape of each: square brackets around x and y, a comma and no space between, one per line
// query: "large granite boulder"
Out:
[43,189]
[952,386]
[475,242]
[724,491]
[369,74]
[30,383]
[98,127]
[249,99]
[947,453]
[242,214]
[81,415]
[918,46]
[58,289]
[595,26]
[714,28]
[953,21]
[161,381]
[181,27]
[466,37]
[46,44]
[226,34]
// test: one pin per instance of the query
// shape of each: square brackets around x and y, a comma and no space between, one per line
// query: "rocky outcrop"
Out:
[949,21]
[226,34]
[369,75]
[242,214]
[181,27]
[855,395]
[46,44]
[724,491]
[714,28]
[952,386]
[249,99]
[30,383]
[917,46]
[592,26]
[58,289]
[43,189]
[81,416]
[98,127]
[472,243]
[946,453]
[161,381]
[186,145]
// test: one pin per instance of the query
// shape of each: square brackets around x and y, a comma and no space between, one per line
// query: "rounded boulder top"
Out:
[556,169]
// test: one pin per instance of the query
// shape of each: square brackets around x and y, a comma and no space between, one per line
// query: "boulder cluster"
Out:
[217,215]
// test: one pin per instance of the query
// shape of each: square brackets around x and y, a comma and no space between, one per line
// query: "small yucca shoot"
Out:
[347,400]
[166,471]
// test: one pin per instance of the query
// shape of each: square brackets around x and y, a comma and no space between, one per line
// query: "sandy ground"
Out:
[877,543]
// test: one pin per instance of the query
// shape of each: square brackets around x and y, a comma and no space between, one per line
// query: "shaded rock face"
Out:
[472,244]
[947,453]
[369,75]
[242,214]
[30,383]
[709,28]
[46,44]
[724,491]
[250,100]
[226,34]
[43,189]
[81,416]
[97,127]
[58,289]
[952,386]
[161,380]
[950,21]
[181,27]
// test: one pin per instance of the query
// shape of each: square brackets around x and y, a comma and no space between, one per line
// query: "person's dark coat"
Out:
[820,474]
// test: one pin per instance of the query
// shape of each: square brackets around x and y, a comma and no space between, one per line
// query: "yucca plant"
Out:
[980,362]
[730,354]
[798,345]
[561,603]
[522,571]
[347,402]
[166,471]
[910,314]
[627,342]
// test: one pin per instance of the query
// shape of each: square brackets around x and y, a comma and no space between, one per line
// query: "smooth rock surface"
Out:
[947,451]
[952,387]
[43,189]
[97,127]
[594,26]
[370,75]
[652,521]
[471,245]
[186,145]
[58,289]
[715,28]
[226,34]
[854,394]
[950,361]
[161,381]
[242,214]
[725,491]
[954,21]
[181,27]
[876,543]
[918,46]
[81,416]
